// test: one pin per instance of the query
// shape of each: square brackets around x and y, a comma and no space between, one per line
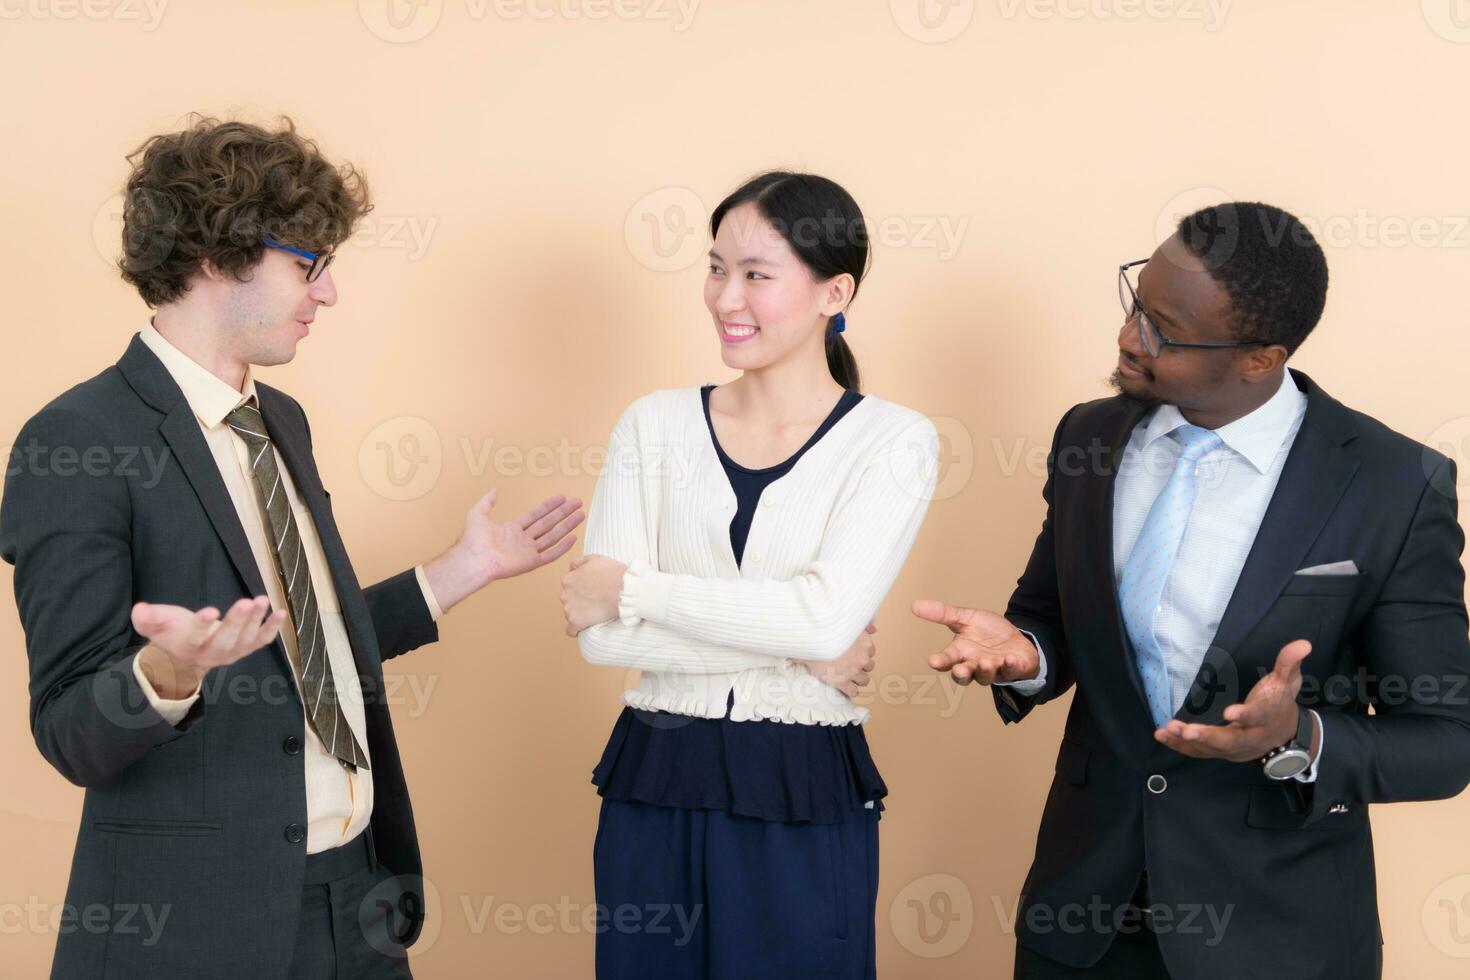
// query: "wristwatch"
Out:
[1295,757]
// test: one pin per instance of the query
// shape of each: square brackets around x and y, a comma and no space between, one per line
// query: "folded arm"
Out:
[620,525]
[818,612]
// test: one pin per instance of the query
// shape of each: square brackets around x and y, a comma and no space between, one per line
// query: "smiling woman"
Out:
[788,249]
[738,779]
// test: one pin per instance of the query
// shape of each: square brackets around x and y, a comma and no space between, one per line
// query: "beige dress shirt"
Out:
[339,802]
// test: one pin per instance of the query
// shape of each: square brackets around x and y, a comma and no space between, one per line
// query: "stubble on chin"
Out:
[1115,381]
[275,357]
[262,343]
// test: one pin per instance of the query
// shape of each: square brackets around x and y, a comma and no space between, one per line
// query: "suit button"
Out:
[292,745]
[1157,784]
[294,833]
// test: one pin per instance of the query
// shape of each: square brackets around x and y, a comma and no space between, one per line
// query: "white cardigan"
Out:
[825,545]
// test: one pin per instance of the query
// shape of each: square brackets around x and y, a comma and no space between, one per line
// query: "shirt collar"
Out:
[1257,436]
[210,398]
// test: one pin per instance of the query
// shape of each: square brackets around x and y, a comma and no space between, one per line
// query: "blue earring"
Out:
[839,323]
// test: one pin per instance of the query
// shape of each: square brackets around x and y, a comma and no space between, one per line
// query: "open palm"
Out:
[522,544]
[985,648]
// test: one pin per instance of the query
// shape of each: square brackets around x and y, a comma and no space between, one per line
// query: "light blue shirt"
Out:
[1235,485]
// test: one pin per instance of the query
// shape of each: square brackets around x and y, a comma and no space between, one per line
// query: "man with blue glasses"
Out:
[202,658]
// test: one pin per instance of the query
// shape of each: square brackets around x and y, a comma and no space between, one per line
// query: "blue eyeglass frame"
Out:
[318,262]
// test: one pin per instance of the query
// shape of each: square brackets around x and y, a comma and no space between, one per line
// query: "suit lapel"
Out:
[1100,522]
[181,430]
[1316,474]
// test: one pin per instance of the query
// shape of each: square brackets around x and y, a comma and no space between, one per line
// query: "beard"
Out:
[1116,382]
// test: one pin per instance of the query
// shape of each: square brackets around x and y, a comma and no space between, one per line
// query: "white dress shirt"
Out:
[1235,485]
[339,802]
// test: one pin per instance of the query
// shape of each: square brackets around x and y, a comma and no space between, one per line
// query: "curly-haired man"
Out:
[202,658]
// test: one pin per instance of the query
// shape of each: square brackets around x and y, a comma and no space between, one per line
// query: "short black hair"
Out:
[1268,263]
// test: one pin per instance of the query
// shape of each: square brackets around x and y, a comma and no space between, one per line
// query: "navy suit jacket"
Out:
[1291,864]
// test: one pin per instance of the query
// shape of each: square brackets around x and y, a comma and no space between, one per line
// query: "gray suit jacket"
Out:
[190,854]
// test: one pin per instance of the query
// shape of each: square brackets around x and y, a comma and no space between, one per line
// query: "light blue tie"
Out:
[1142,584]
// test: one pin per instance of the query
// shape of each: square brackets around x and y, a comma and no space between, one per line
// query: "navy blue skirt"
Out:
[702,895]
[770,770]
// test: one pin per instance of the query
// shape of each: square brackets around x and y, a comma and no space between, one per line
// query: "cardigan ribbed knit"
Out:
[824,548]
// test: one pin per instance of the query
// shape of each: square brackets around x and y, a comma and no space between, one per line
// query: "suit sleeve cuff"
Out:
[434,611]
[171,711]
[1034,685]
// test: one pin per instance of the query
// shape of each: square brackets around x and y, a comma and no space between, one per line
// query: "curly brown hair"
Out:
[208,193]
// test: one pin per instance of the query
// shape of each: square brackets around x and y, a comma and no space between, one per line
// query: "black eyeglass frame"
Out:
[1148,331]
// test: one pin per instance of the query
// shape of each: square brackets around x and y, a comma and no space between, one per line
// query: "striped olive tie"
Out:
[314,675]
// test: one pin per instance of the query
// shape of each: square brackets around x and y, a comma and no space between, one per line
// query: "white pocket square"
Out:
[1333,568]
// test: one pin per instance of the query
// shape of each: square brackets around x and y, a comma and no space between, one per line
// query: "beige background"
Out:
[509,297]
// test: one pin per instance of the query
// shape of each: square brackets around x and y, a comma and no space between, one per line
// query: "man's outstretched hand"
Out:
[489,550]
[1265,720]
[985,648]
[185,644]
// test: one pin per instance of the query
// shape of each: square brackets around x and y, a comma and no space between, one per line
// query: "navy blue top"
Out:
[772,770]
[749,484]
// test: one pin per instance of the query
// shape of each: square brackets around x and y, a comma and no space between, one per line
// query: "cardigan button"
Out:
[767,502]
[755,556]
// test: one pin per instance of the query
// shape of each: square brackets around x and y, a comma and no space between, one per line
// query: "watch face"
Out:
[1286,764]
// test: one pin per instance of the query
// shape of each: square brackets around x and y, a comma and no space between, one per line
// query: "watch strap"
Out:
[1304,727]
